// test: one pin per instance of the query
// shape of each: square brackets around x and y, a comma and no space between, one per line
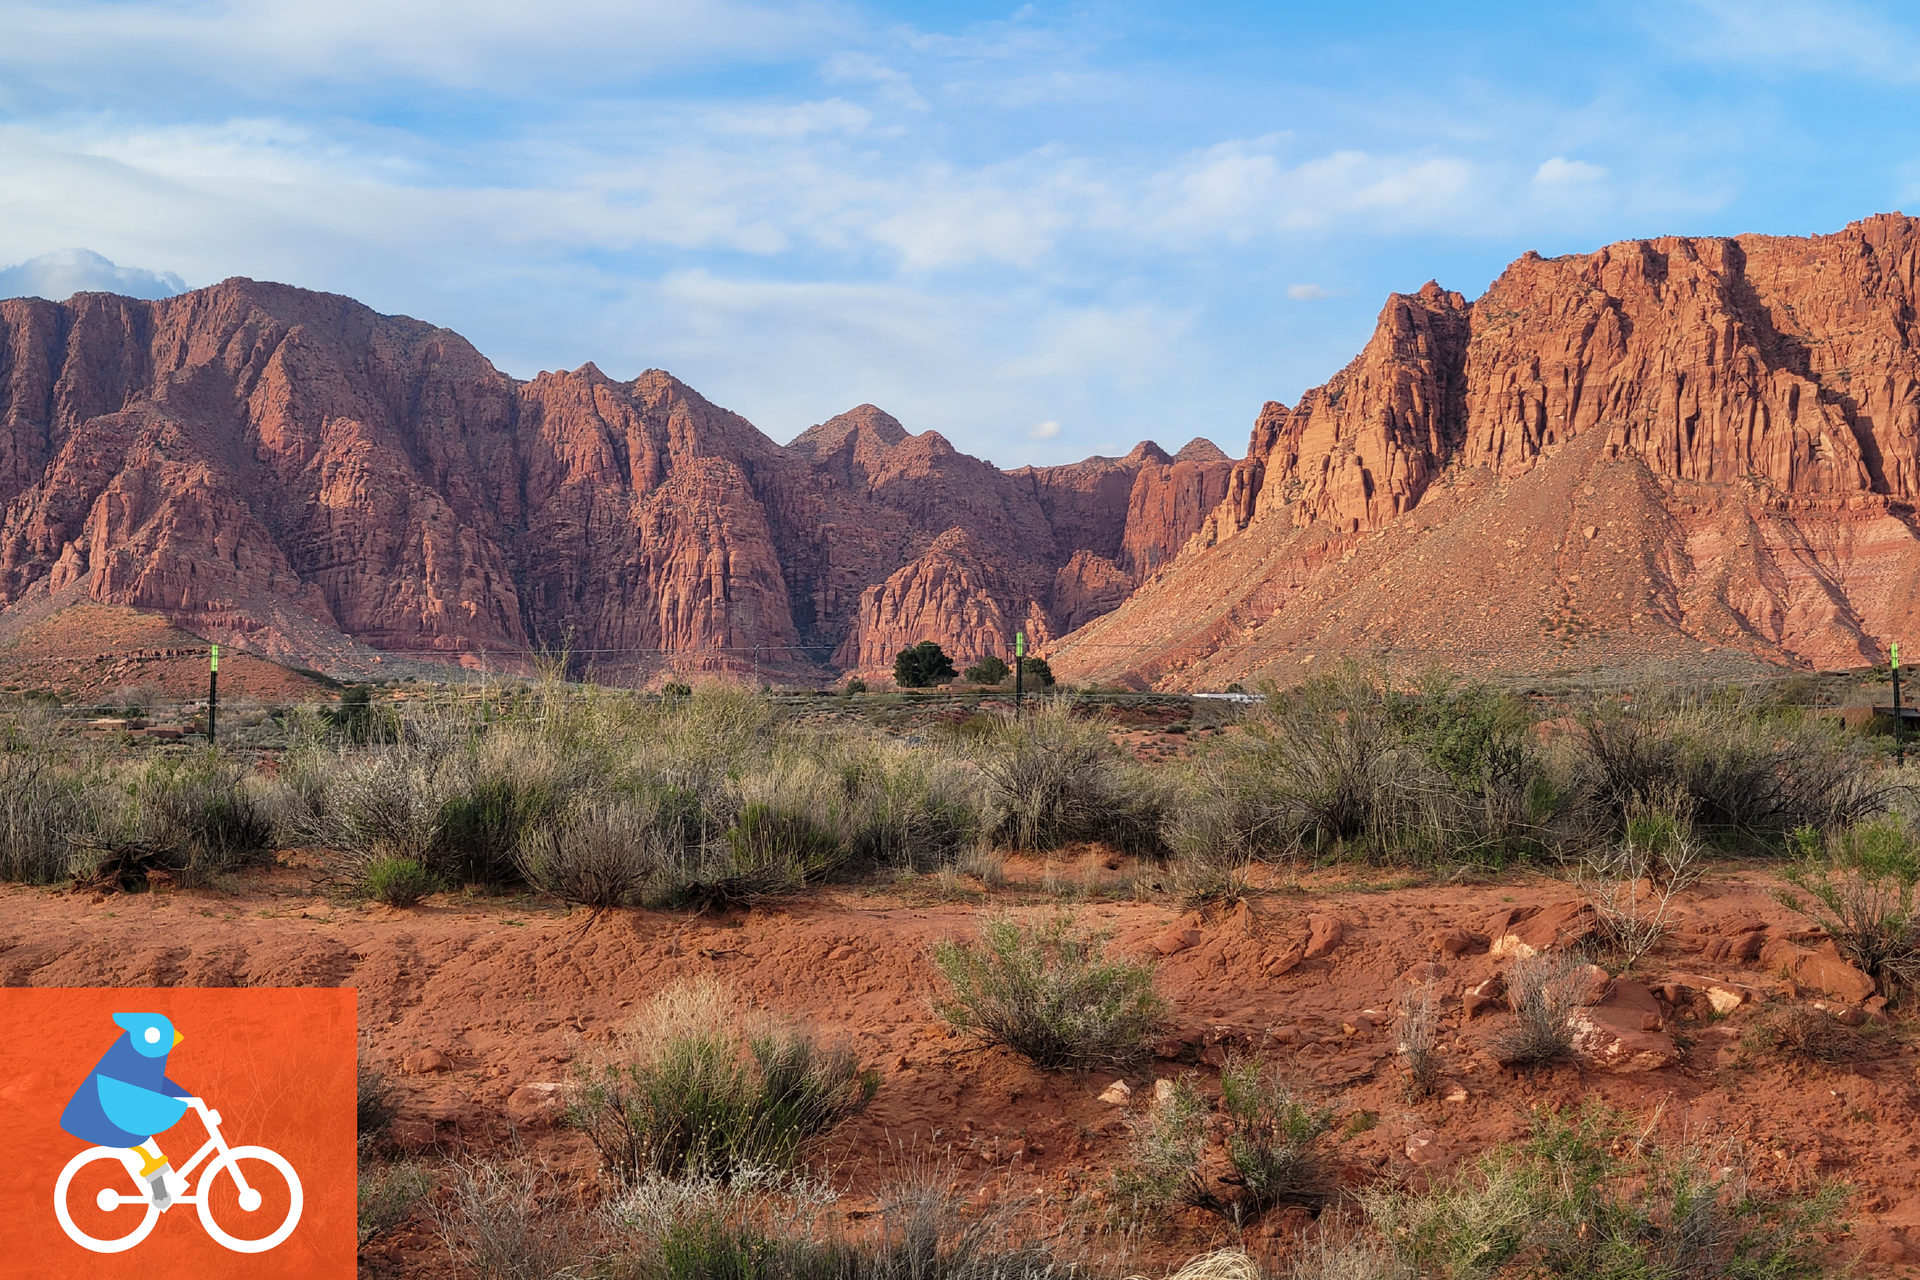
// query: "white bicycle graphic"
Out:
[250,1192]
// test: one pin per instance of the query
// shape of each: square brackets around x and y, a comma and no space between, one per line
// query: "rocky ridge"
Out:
[291,471]
[1695,454]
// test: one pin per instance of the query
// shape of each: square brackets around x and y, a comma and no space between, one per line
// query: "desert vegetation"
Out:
[711,1124]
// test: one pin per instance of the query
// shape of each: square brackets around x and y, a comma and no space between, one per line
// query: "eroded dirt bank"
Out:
[476,1006]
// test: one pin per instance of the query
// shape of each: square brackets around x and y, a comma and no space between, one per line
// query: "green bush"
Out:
[1270,1137]
[1583,1198]
[923,665]
[600,854]
[1048,992]
[854,685]
[45,802]
[691,1094]
[1036,672]
[388,1195]
[989,670]
[1053,778]
[398,882]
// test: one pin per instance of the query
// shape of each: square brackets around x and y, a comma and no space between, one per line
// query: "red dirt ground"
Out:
[513,990]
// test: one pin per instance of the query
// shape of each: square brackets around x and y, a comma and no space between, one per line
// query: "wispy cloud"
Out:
[1306,292]
[1043,430]
[59,275]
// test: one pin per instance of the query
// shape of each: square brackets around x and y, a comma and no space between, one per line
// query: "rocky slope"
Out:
[1695,454]
[291,471]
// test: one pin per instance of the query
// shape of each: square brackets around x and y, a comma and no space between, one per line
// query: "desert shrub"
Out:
[1419,1039]
[1037,672]
[922,665]
[688,1093]
[1348,763]
[357,720]
[1752,767]
[1580,1199]
[898,807]
[396,881]
[1273,1141]
[1860,884]
[374,1106]
[1047,991]
[45,802]
[989,670]
[495,793]
[1053,778]
[388,1195]
[854,685]
[776,1227]
[510,1221]
[676,689]
[1270,1141]
[1804,1034]
[1633,882]
[205,810]
[1544,990]
[601,853]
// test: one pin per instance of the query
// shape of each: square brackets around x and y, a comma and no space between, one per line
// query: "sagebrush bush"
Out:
[1861,885]
[388,1195]
[1047,991]
[45,802]
[1752,767]
[1348,763]
[689,1093]
[1634,882]
[1804,1034]
[601,853]
[206,810]
[1053,778]
[510,1220]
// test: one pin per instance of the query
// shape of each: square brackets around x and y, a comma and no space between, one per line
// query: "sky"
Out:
[1044,230]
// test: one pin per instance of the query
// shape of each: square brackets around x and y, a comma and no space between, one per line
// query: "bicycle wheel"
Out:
[273,1195]
[104,1198]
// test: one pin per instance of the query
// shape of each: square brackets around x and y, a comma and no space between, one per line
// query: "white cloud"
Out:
[1307,292]
[1043,430]
[1790,37]
[59,275]
[1562,172]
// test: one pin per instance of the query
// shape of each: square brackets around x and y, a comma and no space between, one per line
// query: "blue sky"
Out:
[1045,230]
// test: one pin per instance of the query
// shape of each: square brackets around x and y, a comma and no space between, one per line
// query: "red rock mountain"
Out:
[292,471]
[1669,455]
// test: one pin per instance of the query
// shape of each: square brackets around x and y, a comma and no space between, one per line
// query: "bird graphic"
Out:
[126,1099]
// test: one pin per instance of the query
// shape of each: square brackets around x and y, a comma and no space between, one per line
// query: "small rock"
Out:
[1482,996]
[839,953]
[1175,940]
[1724,996]
[1423,973]
[424,1062]
[1286,961]
[1621,1033]
[1851,1015]
[1324,933]
[1560,925]
[1824,969]
[1460,942]
[1748,946]
[1420,1148]
[537,1096]
[1718,949]
[1117,1094]
[1458,1093]
[1162,1092]
[1594,983]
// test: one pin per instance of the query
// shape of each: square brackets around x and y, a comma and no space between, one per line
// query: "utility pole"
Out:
[1019,665]
[1899,720]
[213,691]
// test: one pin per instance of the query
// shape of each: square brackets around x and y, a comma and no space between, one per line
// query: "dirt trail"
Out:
[512,991]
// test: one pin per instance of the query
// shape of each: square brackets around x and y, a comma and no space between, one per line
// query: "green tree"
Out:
[989,670]
[923,665]
[1037,671]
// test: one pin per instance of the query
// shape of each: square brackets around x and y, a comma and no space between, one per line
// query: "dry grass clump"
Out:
[1047,990]
[1419,1039]
[45,801]
[1543,990]
[688,1091]
[512,1220]
[1804,1034]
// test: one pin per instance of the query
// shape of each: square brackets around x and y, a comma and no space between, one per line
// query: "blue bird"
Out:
[126,1099]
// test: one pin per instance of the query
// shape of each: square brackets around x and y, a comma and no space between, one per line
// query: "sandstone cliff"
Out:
[1676,451]
[291,471]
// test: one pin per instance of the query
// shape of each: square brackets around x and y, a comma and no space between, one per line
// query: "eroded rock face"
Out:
[1679,451]
[292,471]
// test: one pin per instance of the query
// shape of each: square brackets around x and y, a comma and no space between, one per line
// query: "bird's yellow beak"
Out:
[177,1037]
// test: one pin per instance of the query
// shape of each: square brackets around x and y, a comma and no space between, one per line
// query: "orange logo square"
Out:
[199,1132]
